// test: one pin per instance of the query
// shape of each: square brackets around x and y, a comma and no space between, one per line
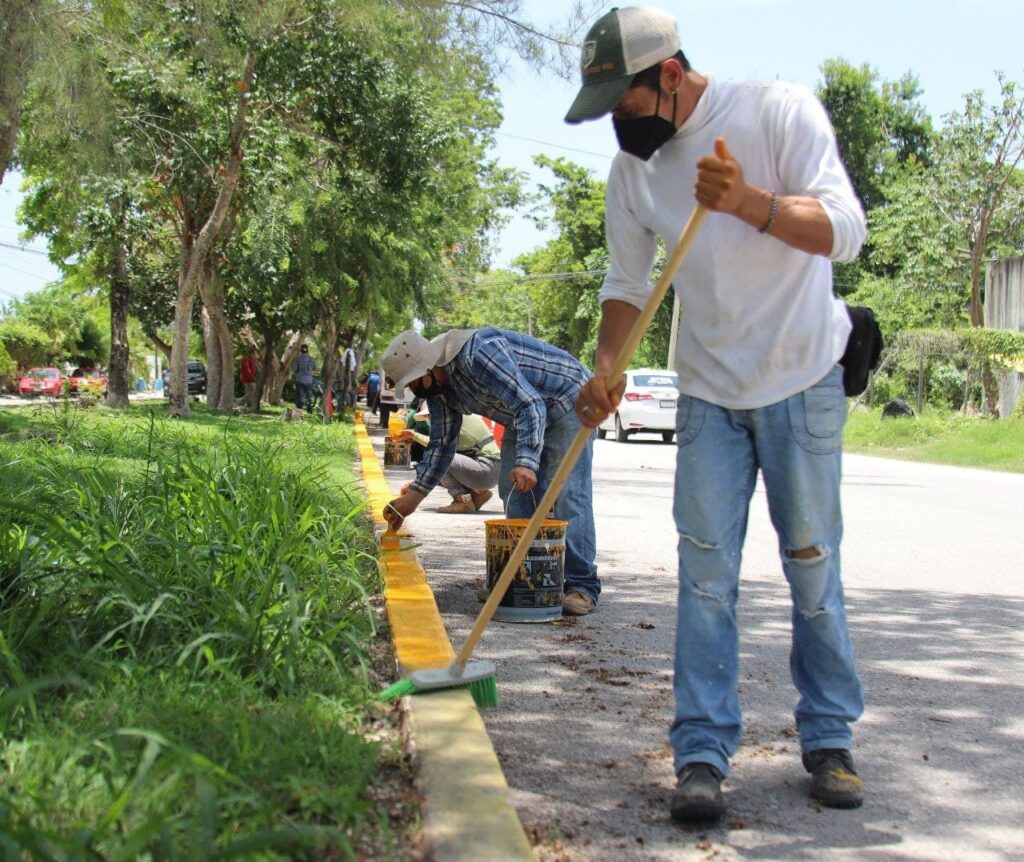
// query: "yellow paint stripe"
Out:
[467,815]
[419,635]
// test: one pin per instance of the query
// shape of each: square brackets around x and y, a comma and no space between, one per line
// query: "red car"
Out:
[41,381]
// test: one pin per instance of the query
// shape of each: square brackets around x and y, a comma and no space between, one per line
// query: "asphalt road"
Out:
[932,562]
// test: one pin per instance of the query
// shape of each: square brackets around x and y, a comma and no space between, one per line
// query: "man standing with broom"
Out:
[530,387]
[760,387]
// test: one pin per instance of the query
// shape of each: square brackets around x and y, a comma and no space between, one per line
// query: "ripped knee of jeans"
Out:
[809,579]
[700,543]
[807,556]
[712,586]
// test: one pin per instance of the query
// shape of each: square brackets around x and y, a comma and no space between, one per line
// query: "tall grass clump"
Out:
[184,621]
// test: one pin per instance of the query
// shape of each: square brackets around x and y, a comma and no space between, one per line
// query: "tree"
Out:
[25,342]
[564,275]
[945,219]
[18,27]
[39,47]
[879,126]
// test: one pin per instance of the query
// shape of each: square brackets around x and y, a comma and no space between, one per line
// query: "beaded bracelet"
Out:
[772,213]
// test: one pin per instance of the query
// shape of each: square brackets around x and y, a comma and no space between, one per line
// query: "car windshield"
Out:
[42,374]
[665,378]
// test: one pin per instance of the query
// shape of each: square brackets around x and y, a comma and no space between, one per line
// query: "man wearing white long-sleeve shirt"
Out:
[758,364]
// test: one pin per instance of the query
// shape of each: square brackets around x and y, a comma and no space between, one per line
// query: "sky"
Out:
[952,46]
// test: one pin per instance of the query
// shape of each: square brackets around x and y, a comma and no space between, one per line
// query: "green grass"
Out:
[184,621]
[939,438]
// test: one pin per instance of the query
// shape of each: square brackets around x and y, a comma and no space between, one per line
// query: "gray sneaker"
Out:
[834,781]
[698,794]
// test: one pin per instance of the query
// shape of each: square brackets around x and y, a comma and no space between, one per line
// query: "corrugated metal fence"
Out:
[1004,309]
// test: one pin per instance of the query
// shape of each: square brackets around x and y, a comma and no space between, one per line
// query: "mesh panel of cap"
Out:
[648,36]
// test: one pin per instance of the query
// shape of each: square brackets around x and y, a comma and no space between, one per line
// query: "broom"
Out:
[479,676]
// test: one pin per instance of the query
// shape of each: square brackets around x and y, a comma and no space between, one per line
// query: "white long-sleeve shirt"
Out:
[760,321]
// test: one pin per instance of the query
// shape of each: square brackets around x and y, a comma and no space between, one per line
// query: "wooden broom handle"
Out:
[625,356]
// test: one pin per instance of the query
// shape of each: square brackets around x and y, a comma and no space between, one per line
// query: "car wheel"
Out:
[621,434]
[601,433]
[667,436]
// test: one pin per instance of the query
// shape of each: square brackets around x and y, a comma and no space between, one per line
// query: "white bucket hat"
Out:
[410,355]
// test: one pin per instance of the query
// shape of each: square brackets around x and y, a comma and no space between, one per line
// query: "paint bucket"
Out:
[535,594]
[396,424]
[397,454]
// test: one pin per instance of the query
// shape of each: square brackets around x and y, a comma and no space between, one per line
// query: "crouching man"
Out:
[528,386]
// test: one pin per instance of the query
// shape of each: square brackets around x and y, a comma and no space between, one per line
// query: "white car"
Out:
[648,404]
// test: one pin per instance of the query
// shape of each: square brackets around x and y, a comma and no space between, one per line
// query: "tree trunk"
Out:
[329,330]
[990,388]
[267,361]
[282,368]
[220,355]
[196,254]
[117,372]
[159,344]
[977,306]
[212,354]
[177,397]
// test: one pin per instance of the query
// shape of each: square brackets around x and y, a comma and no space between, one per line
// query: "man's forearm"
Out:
[617,318]
[800,222]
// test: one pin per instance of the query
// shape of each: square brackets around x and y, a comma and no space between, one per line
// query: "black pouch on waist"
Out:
[863,349]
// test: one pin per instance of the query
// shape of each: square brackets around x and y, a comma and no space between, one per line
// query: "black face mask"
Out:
[643,136]
[422,392]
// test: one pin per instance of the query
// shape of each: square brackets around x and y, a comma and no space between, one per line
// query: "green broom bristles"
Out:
[398,689]
[484,691]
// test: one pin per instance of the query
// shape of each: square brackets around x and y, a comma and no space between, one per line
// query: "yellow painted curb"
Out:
[467,815]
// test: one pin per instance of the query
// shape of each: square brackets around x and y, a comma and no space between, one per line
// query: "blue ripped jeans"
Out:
[575,503]
[797,445]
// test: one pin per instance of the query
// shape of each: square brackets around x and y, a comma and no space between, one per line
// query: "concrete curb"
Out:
[467,815]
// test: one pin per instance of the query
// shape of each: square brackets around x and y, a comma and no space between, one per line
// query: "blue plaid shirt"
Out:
[304,366]
[514,379]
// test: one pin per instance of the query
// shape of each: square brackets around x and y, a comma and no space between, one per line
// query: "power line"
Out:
[556,146]
[23,248]
[25,272]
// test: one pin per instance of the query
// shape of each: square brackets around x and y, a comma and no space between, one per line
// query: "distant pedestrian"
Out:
[303,368]
[372,391]
[247,371]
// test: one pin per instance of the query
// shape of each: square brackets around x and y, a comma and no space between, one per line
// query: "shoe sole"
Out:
[698,812]
[839,803]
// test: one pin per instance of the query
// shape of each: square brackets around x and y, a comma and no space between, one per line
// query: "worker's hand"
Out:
[405,488]
[401,508]
[523,478]
[595,403]
[405,435]
[720,184]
